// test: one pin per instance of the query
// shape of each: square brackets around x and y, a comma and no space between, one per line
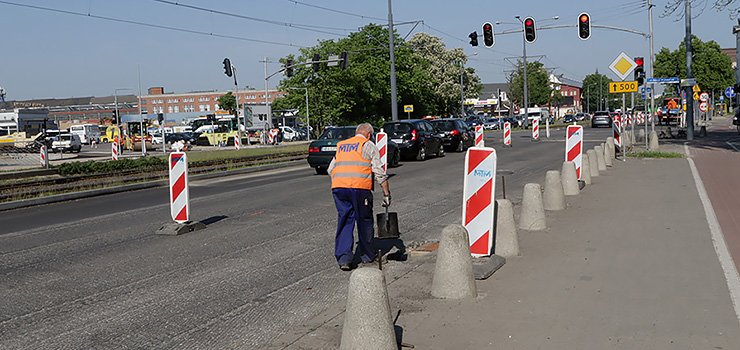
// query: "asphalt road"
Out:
[92,274]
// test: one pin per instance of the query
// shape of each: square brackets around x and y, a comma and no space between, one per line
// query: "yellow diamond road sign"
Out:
[622,66]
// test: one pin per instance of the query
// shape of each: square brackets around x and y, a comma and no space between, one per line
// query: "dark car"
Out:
[456,135]
[601,118]
[415,138]
[322,151]
[180,136]
[569,118]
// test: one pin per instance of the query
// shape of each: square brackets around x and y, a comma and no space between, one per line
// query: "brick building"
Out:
[157,101]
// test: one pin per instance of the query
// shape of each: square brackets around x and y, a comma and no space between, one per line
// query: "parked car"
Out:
[323,150]
[415,138]
[601,118]
[289,134]
[569,118]
[582,116]
[491,124]
[472,121]
[66,143]
[181,136]
[456,135]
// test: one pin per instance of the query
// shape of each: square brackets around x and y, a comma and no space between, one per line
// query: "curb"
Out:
[24,203]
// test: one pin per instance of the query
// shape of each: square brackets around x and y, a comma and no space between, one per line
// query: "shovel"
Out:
[387,225]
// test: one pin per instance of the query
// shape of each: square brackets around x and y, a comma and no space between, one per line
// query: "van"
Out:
[86,132]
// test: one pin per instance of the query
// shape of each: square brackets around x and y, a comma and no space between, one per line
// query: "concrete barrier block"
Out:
[586,169]
[570,179]
[600,161]
[654,145]
[641,135]
[610,144]
[593,163]
[608,156]
[507,238]
[554,197]
[368,323]
[453,271]
[532,217]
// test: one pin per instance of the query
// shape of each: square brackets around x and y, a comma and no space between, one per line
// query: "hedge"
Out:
[104,167]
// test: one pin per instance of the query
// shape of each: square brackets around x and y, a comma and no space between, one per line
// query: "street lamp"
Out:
[308,123]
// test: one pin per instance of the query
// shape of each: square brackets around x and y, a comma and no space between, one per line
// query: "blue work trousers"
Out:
[353,205]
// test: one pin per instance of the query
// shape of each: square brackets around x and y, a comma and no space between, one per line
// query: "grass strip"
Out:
[654,154]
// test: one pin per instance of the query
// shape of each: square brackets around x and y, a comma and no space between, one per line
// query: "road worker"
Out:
[352,169]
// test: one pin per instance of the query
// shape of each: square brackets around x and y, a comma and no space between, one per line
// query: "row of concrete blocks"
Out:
[368,323]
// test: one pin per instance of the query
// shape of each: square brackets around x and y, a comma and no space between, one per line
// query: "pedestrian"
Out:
[352,170]
[93,143]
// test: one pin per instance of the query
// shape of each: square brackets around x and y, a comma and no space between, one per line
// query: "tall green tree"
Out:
[227,102]
[711,68]
[360,93]
[538,83]
[445,68]
[596,93]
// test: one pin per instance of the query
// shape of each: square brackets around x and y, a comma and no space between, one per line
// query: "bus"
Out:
[86,132]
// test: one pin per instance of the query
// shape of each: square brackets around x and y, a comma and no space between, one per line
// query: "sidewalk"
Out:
[629,265]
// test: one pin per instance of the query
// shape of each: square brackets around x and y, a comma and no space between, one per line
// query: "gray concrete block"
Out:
[484,267]
[608,156]
[453,270]
[175,229]
[654,145]
[532,217]
[600,160]
[610,144]
[586,169]
[593,163]
[368,323]
[570,179]
[507,238]
[554,197]
[641,135]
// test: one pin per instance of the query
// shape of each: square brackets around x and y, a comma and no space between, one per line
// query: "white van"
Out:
[86,132]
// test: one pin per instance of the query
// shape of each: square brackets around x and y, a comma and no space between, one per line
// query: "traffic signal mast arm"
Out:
[562,26]
[298,64]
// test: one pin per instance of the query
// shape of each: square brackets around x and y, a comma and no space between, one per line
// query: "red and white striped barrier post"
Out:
[507,134]
[617,133]
[536,129]
[179,194]
[479,191]
[381,142]
[114,149]
[44,154]
[574,147]
[238,141]
[479,142]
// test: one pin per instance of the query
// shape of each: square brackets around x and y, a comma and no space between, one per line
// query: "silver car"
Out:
[66,143]
[601,118]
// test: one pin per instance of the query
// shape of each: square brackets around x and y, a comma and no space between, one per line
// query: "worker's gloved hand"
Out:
[387,201]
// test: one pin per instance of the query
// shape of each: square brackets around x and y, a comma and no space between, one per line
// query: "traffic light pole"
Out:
[689,75]
[236,99]
[391,47]
[526,87]
[652,73]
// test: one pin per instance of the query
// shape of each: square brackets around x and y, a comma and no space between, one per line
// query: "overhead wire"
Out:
[307,27]
[337,11]
[177,29]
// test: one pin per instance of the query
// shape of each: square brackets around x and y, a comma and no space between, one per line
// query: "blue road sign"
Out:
[721,98]
[730,92]
[673,80]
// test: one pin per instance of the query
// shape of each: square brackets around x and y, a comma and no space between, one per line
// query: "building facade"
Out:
[158,101]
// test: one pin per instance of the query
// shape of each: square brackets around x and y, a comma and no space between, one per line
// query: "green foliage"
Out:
[227,102]
[361,93]
[596,86]
[538,83]
[711,68]
[655,154]
[111,167]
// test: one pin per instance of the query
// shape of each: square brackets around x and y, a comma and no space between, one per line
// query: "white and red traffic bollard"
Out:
[507,134]
[44,154]
[381,142]
[574,147]
[114,150]
[536,129]
[179,197]
[479,191]
[237,142]
[479,141]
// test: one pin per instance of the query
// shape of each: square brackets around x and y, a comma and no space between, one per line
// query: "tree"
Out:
[711,68]
[538,83]
[444,69]
[227,102]
[596,93]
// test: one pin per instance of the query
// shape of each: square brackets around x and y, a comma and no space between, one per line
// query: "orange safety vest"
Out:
[351,170]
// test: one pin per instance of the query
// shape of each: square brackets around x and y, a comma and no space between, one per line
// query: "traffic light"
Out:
[473,38]
[530,33]
[160,118]
[640,70]
[584,26]
[316,64]
[114,115]
[488,38]
[344,57]
[227,67]
[288,68]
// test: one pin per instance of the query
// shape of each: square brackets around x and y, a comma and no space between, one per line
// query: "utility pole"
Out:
[588,105]
[391,47]
[689,75]
[267,104]
[651,72]
[526,85]
[462,91]
[736,31]
[236,99]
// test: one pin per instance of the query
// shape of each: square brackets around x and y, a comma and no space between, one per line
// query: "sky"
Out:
[56,55]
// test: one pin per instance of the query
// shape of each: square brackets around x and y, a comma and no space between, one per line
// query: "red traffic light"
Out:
[584,26]
[528,22]
[530,32]
[488,38]
[487,26]
[640,61]
[584,18]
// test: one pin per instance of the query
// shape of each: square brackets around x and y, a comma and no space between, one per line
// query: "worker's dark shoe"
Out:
[345,267]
